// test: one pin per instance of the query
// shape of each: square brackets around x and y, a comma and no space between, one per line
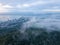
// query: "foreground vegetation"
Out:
[13,35]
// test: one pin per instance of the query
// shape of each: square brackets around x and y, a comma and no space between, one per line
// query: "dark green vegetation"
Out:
[11,34]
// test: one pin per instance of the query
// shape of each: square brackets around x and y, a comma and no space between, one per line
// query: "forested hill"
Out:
[24,31]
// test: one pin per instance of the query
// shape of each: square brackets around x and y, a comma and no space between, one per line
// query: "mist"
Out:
[30,30]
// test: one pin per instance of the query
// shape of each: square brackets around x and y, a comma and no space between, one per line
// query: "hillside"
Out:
[24,31]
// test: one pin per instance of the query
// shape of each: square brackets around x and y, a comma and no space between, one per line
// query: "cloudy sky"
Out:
[29,5]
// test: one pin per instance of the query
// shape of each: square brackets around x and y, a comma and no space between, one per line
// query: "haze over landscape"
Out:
[29,22]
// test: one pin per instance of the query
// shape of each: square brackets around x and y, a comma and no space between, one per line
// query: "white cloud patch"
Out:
[7,6]
[31,4]
[23,5]
[4,8]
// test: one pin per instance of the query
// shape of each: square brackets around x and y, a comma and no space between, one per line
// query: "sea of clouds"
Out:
[51,22]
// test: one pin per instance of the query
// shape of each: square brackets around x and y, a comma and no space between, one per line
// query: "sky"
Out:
[29,6]
[35,6]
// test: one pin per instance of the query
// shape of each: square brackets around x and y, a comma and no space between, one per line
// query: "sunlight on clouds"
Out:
[23,5]
[26,5]
[4,8]
[7,6]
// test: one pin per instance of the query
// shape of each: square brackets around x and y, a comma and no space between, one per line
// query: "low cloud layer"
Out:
[52,22]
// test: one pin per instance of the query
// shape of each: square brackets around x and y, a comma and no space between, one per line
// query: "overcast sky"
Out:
[29,5]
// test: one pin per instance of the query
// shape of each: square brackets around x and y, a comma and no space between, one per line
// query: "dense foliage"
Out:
[11,34]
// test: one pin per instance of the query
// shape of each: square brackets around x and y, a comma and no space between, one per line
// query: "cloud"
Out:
[51,10]
[31,5]
[23,5]
[5,8]
[39,5]
[50,22]
[4,18]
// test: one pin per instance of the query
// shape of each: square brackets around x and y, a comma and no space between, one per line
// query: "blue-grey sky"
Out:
[29,6]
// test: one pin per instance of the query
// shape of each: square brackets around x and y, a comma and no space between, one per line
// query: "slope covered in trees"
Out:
[12,33]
